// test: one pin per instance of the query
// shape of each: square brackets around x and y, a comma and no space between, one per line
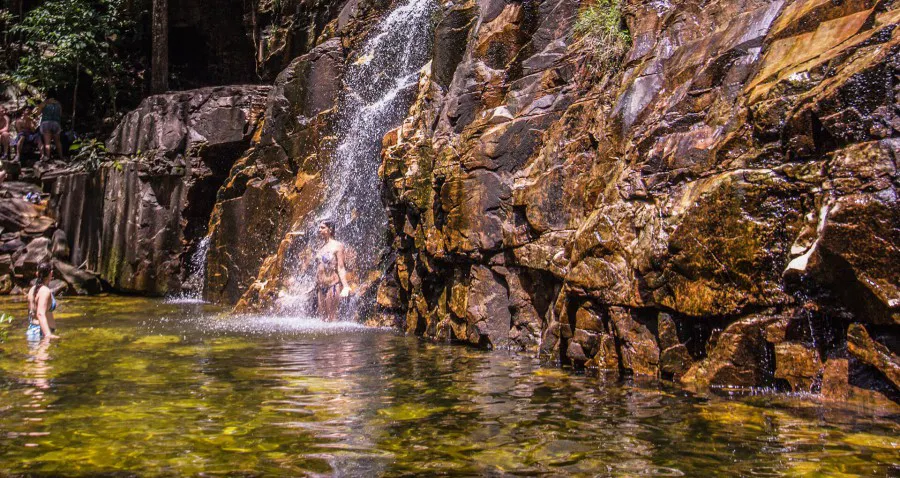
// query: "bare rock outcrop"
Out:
[136,219]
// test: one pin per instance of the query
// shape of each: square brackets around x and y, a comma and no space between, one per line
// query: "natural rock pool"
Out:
[141,387]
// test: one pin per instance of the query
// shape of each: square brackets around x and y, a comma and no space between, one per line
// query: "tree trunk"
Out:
[20,12]
[75,94]
[159,68]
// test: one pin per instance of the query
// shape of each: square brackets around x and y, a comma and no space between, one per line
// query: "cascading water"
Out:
[196,280]
[378,87]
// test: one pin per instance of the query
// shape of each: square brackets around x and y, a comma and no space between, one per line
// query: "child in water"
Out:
[41,304]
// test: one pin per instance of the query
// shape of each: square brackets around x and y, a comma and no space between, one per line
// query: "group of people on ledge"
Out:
[36,129]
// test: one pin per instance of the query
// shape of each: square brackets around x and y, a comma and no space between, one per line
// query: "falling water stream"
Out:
[379,85]
[192,288]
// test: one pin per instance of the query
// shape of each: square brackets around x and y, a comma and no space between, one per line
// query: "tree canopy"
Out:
[65,42]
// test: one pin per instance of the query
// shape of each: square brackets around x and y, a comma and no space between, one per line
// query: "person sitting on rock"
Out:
[4,134]
[51,126]
[41,305]
[331,275]
[28,135]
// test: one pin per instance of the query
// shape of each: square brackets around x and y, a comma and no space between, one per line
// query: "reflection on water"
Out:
[137,386]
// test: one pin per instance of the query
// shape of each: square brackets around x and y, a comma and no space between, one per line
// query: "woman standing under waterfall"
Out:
[331,275]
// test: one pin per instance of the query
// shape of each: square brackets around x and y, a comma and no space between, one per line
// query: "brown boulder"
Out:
[861,345]
[639,350]
[797,364]
[487,312]
[575,352]
[859,255]
[675,360]
[836,385]
[667,331]
[79,281]
[587,319]
[388,296]
[183,122]
[59,246]
[738,358]
[17,214]
[606,358]
[11,246]
[28,259]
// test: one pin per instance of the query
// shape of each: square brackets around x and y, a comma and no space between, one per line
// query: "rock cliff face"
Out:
[276,184]
[718,210]
[277,187]
[135,220]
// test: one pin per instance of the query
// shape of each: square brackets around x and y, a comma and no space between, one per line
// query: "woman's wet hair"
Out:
[330,225]
[43,271]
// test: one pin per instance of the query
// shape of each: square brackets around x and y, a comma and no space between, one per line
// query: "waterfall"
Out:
[192,288]
[378,87]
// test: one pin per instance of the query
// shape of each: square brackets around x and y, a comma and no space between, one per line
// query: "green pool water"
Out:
[137,387]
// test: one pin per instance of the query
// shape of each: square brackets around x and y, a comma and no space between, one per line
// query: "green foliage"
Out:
[6,321]
[601,28]
[66,39]
[89,151]
[7,55]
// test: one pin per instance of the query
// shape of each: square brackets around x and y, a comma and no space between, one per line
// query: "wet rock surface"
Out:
[738,171]
[277,182]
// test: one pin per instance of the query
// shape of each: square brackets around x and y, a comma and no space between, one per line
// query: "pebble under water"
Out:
[141,387]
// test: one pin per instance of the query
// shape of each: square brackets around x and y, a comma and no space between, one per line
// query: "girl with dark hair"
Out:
[41,305]
[331,275]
